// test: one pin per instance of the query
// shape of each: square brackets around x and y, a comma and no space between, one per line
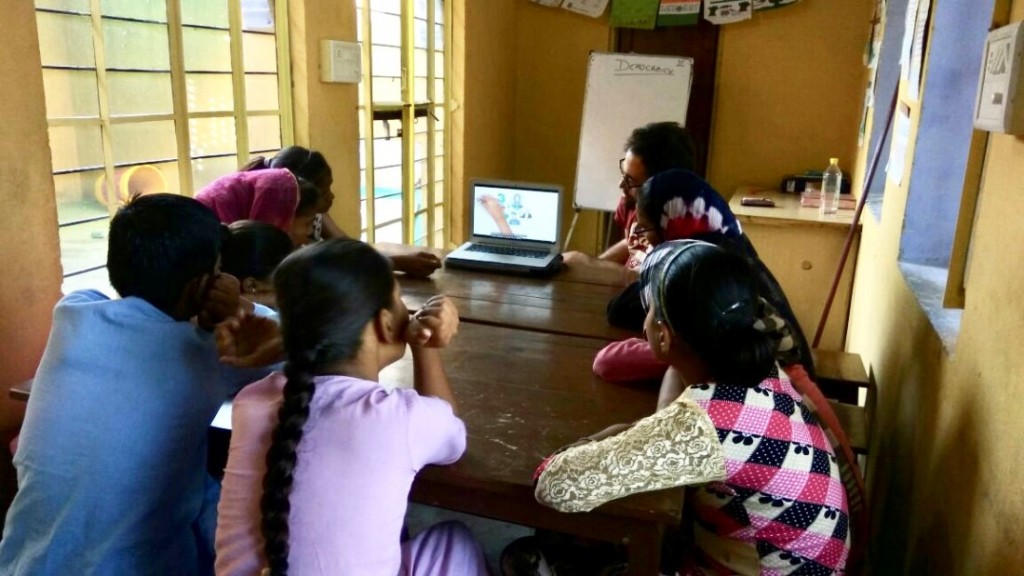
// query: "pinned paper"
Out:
[592,8]
[678,12]
[770,4]
[727,11]
[635,14]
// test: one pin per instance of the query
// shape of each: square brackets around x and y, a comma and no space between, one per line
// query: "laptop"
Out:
[515,227]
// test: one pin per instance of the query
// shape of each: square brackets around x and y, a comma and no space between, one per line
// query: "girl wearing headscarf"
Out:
[763,477]
[274,196]
[678,205]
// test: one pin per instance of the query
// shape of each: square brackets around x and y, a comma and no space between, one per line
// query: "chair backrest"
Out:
[849,470]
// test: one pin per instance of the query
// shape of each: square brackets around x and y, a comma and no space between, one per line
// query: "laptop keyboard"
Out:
[506,251]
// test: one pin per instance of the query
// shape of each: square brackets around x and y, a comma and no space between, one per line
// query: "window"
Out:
[167,96]
[404,121]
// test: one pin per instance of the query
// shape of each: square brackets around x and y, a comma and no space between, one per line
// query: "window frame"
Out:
[408,109]
[180,115]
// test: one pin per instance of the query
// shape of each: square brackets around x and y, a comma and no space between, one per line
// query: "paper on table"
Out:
[917,48]
[727,11]
[549,3]
[898,150]
[635,14]
[592,8]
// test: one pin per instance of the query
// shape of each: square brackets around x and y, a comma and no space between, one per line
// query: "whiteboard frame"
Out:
[610,115]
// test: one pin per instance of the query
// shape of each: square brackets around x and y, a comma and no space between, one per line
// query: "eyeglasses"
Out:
[638,230]
[629,180]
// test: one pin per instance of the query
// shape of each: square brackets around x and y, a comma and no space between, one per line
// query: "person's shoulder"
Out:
[83,297]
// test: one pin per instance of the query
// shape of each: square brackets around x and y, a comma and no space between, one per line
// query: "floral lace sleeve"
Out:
[676,446]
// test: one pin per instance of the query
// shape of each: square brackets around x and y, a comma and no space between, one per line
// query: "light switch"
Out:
[998,106]
[340,62]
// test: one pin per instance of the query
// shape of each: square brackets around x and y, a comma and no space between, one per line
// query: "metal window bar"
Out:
[431,122]
[238,79]
[367,119]
[408,119]
[103,100]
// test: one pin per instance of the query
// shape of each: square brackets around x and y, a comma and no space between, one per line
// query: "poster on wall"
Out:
[917,47]
[678,12]
[592,8]
[728,11]
[770,4]
[641,14]
[898,150]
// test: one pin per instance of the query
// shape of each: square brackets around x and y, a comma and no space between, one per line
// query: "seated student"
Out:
[323,455]
[312,166]
[251,253]
[273,196]
[650,149]
[112,459]
[767,493]
[677,205]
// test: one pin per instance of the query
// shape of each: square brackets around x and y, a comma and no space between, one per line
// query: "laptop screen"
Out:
[515,212]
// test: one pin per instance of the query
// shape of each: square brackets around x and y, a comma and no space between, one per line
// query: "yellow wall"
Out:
[28,215]
[326,118]
[945,468]
[789,93]
[523,82]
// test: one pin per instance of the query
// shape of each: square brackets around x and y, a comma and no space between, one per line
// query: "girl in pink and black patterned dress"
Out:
[767,492]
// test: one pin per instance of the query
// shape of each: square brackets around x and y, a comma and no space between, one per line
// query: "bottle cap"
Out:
[833,160]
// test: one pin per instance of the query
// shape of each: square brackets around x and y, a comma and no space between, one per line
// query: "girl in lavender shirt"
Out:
[322,455]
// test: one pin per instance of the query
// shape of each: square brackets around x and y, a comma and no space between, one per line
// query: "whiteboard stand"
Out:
[572,227]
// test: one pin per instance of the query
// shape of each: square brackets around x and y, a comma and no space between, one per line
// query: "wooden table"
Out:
[802,249]
[573,302]
[522,395]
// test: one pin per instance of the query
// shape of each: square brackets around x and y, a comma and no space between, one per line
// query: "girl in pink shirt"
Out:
[322,455]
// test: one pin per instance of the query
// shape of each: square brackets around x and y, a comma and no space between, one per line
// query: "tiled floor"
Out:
[492,534]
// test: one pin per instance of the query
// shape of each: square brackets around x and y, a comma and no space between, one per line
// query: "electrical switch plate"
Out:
[340,62]
[998,106]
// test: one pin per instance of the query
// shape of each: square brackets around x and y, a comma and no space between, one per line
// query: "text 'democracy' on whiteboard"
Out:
[624,91]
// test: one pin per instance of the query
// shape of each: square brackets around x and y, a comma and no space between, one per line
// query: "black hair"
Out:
[254,249]
[326,294]
[302,162]
[663,146]
[709,297]
[309,197]
[158,244]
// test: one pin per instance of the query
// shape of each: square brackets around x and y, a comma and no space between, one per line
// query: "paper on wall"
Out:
[592,8]
[898,149]
[909,25]
[634,14]
[917,48]
[769,4]
[727,11]
[678,12]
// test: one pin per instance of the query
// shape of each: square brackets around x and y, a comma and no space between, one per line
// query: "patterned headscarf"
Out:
[685,206]
[767,318]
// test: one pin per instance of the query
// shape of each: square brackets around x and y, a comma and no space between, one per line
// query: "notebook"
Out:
[515,227]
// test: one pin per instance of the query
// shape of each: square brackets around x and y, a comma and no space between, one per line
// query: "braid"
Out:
[326,294]
[282,459]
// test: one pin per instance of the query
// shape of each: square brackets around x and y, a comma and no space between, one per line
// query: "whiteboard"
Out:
[624,91]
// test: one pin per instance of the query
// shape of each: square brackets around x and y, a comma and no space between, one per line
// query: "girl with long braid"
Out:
[322,456]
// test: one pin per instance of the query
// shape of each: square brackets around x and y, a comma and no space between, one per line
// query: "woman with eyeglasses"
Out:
[764,481]
[649,150]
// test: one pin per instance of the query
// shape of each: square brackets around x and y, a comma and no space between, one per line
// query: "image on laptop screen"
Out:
[517,213]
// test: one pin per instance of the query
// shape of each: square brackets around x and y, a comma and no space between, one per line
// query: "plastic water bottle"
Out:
[831,183]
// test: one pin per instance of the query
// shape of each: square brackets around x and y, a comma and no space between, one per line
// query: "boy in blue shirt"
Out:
[112,455]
